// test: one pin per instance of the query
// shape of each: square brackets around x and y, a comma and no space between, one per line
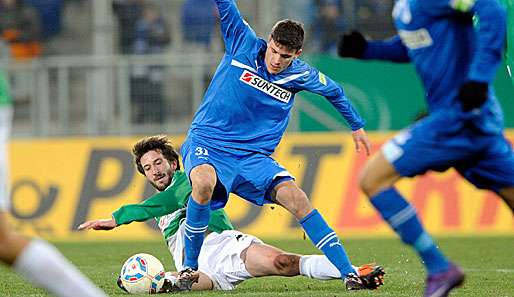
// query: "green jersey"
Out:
[169,209]
[5,96]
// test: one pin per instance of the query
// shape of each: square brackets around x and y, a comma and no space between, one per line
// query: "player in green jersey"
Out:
[227,257]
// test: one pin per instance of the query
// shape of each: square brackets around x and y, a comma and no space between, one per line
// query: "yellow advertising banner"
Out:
[56,184]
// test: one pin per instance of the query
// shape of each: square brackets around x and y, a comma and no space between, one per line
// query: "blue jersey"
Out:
[438,36]
[245,107]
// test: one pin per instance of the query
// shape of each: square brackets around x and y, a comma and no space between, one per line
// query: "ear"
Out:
[174,165]
[298,53]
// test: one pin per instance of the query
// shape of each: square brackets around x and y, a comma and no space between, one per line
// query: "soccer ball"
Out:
[142,274]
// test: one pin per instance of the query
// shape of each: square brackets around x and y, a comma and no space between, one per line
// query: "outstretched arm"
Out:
[323,85]
[102,224]
[391,49]
[160,204]
[355,45]
[156,206]
[236,32]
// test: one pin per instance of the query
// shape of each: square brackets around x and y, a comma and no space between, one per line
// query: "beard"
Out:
[164,181]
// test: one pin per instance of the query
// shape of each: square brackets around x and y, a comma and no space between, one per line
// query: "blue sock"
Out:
[197,221]
[325,239]
[402,217]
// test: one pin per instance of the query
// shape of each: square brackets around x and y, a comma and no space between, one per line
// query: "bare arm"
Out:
[102,224]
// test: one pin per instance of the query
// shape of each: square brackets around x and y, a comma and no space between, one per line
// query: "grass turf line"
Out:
[488,262]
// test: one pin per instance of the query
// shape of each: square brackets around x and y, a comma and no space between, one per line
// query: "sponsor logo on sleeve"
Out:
[265,86]
[416,39]
[322,79]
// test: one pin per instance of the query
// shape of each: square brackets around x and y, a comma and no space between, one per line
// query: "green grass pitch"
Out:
[487,261]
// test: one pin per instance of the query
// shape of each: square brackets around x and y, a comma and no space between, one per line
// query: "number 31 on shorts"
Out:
[201,152]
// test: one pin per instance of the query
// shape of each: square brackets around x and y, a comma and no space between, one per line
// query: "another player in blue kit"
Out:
[457,63]
[241,121]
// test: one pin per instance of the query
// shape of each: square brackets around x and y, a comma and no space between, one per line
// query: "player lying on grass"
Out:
[227,257]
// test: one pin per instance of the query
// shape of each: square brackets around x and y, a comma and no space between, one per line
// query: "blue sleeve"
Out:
[236,32]
[491,39]
[391,49]
[317,82]
[491,32]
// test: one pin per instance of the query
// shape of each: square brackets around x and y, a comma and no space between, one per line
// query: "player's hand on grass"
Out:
[352,44]
[473,94]
[103,224]
[361,140]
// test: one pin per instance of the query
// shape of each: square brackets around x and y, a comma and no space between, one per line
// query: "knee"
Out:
[378,175]
[11,246]
[5,247]
[4,240]
[203,183]
[202,192]
[372,182]
[366,183]
[287,264]
[5,234]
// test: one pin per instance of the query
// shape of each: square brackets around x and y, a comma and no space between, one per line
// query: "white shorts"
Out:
[5,130]
[220,257]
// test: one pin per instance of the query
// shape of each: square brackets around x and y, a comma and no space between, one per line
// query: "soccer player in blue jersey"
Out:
[243,116]
[457,63]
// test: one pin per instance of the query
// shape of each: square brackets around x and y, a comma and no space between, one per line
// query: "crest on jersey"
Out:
[265,86]
[322,79]
[462,5]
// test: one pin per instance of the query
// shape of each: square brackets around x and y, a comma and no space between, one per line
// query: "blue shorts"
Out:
[485,160]
[249,175]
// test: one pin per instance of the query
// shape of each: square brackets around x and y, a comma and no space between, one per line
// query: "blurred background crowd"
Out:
[95,67]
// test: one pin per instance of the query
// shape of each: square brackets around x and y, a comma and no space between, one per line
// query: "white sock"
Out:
[319,267]
[43,265]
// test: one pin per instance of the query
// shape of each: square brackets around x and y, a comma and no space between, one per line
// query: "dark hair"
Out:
[288,33]
[159,143]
